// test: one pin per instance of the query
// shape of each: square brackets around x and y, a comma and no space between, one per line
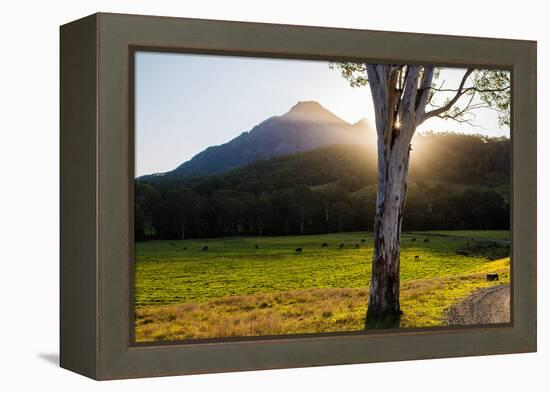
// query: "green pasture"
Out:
[474,235]
[174,272]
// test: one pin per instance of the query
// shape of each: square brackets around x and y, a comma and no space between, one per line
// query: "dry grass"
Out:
[312,310]
[300,311]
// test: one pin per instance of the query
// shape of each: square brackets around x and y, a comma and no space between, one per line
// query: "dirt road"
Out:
[484,306]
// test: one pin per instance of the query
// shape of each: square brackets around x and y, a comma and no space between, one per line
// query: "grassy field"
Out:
[487,235]
[236,289]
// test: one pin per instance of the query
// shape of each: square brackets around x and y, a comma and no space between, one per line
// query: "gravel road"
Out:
[484,306]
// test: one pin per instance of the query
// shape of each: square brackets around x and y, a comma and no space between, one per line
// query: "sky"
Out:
[185,103]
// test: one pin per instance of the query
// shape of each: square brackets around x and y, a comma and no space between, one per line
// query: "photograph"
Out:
[294,196]
[266,197]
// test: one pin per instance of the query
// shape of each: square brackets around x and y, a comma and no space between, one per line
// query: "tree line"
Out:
[463,183]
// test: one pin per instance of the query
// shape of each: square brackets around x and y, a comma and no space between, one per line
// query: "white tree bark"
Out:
[399,104]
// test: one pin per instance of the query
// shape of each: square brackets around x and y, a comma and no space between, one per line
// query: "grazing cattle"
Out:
[426,240]
[185,248]
[492,277]
[462,252]
[299,249]
[324,245]
[341,245]
[416,258]
[205,248]
[413,239]
[357,246]
[363,240]
[256,246]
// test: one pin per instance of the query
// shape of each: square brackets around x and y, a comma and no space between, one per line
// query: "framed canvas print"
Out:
[241,196]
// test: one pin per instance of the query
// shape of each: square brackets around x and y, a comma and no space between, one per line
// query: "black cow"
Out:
[299,249]
[341,245]
[205,248]
[413,239]
[426,240]
[363,240]
[416,258]
[492,277]
[324,245]
[357,246]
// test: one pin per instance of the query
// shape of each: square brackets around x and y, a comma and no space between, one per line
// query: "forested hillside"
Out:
[456,181]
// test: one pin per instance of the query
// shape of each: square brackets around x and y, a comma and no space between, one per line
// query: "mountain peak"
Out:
[306,126]
[312,111]
[363,120]
[307,106]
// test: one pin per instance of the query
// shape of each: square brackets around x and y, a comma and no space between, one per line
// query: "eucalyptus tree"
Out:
[404,97]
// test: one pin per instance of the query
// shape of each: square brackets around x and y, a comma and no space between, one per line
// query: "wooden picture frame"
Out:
[97,206]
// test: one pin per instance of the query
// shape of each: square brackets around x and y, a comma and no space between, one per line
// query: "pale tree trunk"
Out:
[399,103]
[384,307]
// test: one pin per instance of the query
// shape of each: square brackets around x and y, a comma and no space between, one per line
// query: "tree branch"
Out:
[378,88]
[460,121]
[409,93]
[424,93]
[449,105]
[473,88]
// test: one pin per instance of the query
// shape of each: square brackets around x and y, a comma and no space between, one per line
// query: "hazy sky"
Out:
[185,103]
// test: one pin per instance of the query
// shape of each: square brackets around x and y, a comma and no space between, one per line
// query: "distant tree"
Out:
[343,214]
[281,202]
[262,211]
[329,196]
[147,200]
[179,209]
[363,209]
[484,209]
[303,197]
[405,96]
[233,211]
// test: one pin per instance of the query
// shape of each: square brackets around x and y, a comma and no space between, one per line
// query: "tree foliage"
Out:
[333,189]
[482,89]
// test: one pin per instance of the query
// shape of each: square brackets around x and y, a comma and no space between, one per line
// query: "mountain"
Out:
[306,126]
[458,159]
